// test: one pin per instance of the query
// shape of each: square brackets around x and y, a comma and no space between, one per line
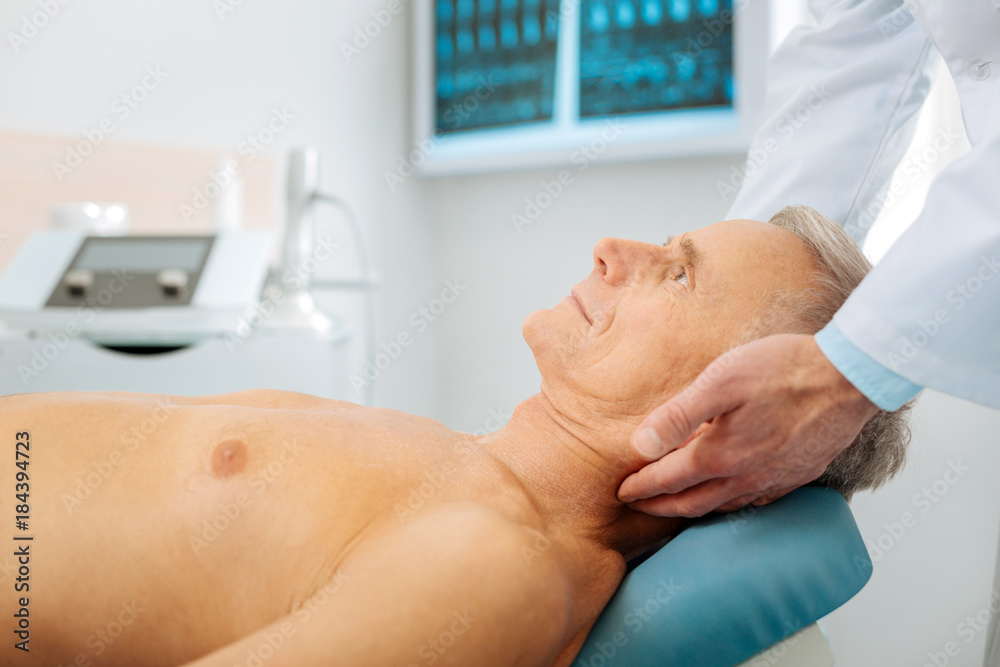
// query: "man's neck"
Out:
[571,467]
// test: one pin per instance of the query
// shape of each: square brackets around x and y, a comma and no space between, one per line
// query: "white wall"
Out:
[226,75]
[934,572]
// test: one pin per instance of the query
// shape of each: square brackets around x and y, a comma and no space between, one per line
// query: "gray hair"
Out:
[879,451]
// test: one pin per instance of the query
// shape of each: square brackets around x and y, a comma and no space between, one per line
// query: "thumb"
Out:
[668,426]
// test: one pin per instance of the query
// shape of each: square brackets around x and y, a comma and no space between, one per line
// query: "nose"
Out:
[619,260]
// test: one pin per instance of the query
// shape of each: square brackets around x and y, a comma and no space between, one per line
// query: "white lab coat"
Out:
[844,94]
[930,311]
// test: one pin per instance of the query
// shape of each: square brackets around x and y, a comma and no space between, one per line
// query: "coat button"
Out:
[978,68]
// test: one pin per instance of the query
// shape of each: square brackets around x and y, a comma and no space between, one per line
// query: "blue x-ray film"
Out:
[496,62]
[654,55]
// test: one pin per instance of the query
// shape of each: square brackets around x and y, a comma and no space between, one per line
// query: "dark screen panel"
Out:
[147,255]
[655,55]
[495,62]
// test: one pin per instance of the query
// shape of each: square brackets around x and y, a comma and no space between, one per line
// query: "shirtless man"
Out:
[273,528]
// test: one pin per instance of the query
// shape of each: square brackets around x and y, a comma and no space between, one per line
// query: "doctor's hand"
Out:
[760,421]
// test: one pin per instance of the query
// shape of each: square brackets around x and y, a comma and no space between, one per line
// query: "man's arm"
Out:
[930,310]
[451,587]
[844,93]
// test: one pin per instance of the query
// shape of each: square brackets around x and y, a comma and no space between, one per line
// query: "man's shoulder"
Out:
[472,521]
[480,548]
[478,535]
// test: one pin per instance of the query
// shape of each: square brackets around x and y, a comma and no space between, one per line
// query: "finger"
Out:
[759,494]
[648,443]
[739,503]
[758,499]
[666,427]
[674,473]
[772,496]
[694,502]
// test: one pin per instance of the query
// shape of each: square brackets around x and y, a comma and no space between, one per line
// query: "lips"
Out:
[579,304]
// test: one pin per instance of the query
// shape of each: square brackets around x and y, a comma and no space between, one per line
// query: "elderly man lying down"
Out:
[280,529]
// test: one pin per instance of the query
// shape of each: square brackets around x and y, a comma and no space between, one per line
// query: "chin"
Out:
[544,333]
[551,338]
[533,328]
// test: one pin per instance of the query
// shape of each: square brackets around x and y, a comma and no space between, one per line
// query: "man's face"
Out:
[649,318]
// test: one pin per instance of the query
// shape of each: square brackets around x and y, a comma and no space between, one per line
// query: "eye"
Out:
[682,277]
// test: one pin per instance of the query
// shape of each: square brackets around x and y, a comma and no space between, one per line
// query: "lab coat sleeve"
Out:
[843,94]
[930,311]
[884,388]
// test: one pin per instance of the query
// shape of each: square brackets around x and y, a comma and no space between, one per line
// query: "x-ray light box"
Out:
[505,84]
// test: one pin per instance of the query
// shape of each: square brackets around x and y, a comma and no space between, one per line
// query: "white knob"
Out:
[78,281]
[172,281]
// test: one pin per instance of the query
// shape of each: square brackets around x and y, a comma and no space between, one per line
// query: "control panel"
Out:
[133,272]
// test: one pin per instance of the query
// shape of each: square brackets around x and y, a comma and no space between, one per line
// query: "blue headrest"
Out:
[731,585]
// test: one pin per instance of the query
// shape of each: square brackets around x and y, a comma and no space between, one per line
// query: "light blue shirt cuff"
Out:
[882,387]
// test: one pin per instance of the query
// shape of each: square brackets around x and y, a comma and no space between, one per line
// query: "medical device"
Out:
[300,240]
[138,291]
[191,314]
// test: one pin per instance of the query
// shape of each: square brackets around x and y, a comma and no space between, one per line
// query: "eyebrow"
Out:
[691,252]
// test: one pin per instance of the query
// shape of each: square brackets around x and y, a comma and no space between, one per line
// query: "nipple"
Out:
[229,458]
